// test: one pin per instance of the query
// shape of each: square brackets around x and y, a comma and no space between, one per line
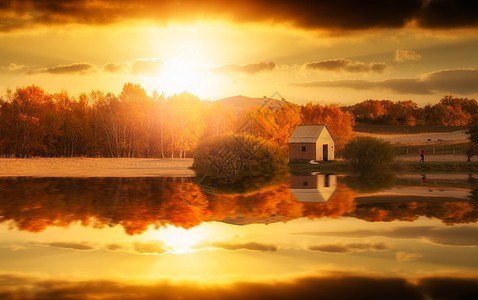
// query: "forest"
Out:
[34,123]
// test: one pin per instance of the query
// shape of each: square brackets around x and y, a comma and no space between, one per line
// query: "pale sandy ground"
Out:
[95,167]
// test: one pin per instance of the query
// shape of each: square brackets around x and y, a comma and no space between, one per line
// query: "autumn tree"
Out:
[339,123]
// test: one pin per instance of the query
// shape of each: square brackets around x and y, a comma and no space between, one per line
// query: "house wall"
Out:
[304,182]
[325,139]
[296,153]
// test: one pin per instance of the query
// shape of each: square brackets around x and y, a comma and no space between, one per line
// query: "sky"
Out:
[340,51]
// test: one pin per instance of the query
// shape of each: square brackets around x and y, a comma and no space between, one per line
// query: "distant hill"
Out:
[239,103]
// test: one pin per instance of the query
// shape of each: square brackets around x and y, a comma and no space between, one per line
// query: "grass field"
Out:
[376,128]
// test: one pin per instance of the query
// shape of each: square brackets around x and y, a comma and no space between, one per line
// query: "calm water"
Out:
[314,237]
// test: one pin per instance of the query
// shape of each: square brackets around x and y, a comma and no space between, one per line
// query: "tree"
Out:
[339,123]
[473,132]
[368,153]
[239,162]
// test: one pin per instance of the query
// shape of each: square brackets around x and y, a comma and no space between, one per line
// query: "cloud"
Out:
[246,69]
[402,56]
[12,67]
[458,81]
[245,246]
[330,15]
[78,68]
[68,245]
[135,67]
[345,65]
[349,248]
[450,236]
[406,256]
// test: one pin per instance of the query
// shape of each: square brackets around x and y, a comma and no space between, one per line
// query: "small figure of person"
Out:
[422,155]
[424,178]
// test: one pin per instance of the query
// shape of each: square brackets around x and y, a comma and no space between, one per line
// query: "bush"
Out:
[238,162]
[368,153]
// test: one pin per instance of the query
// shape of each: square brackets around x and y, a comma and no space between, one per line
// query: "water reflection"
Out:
[34,204]
[64,238]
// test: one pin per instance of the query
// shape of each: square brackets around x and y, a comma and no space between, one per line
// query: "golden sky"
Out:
[339,51]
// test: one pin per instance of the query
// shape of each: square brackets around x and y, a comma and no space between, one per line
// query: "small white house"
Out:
[311,142]
[313,188]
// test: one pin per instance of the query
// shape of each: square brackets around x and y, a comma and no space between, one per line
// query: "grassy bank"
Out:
[341,167]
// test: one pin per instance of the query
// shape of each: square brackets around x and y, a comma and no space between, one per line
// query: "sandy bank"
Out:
[95,167]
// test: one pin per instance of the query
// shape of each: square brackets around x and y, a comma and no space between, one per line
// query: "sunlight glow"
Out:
[179,240]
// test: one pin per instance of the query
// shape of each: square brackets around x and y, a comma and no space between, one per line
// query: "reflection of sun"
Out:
[179,240]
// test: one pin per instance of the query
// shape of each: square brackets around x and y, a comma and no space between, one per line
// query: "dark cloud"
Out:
[449,288]
[345,65]
[448,14]
[450,236]
[331,15]
[68,245]
[152,247]
[459,81]
[76,68]
[245,246]
[247,69]
[349,247]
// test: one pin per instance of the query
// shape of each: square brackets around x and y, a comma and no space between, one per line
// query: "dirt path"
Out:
[95,167]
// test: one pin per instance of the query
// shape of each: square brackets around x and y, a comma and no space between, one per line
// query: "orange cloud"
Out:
[345,65]
[76,68]
[247,68]
[459,81]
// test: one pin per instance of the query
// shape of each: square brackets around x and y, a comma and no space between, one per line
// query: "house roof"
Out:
[307,133]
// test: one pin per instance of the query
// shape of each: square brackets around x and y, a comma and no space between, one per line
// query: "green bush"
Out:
[238,162]
[368,153]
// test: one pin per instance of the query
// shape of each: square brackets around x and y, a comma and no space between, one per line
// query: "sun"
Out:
[179,240]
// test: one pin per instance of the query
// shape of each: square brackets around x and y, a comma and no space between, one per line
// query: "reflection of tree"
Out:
[449,212]
[370,182]
[341,202]
[34,204]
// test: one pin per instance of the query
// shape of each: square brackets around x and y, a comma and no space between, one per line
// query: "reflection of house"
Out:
[313,188]
[311,142]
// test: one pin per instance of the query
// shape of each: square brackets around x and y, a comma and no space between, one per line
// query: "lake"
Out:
[313,237]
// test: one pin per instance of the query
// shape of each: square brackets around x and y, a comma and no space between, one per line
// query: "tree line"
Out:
[134,124]
[449,111]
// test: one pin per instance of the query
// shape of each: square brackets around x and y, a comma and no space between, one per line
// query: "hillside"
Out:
[240,103]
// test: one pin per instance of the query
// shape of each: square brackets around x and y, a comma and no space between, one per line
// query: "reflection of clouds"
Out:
[151,247]
[349,247]
[81,246]
[406,256]
[245,246]
[310,287]
[451,236]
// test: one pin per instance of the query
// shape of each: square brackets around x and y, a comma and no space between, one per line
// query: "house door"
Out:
[325,152]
